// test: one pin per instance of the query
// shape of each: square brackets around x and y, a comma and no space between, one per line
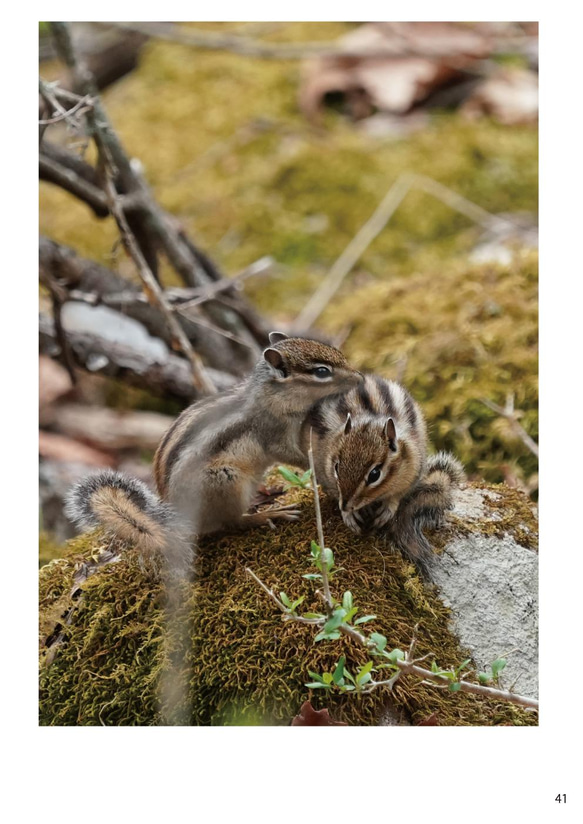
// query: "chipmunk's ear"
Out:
[277,361]
[275,337]
[348,424]
[391,434]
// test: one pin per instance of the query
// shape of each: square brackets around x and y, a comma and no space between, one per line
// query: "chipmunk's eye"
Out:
[374,474]
[321,372]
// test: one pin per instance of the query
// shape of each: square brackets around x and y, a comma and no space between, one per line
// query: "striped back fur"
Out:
[375,428]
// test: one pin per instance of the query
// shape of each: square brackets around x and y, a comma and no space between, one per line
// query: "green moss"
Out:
[287,188]
[48,548]
[463,333]
[241,663]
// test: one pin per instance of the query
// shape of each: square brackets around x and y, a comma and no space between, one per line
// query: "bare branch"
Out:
[169,377]
[53,172]
[511,416]
[259,267]
[151,286]
[114,162]
[250,47]
[81,105]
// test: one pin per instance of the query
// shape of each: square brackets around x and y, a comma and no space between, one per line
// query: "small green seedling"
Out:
[293,479]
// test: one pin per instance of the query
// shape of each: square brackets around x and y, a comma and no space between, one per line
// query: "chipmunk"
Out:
[208,465]
[370,453]
[369,444]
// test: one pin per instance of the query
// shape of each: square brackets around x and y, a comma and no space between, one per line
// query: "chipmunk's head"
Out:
[369,461]
[310,369]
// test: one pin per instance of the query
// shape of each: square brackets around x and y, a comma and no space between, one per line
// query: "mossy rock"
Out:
[455,336]
[106,646]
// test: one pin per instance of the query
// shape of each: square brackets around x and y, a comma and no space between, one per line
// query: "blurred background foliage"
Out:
[227,150]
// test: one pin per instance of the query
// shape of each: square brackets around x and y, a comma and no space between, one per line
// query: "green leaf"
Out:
[376,638]
[312,576]
[316,686]
[364,680]
[348,675]
[315,676]
[296,604]
[350,614]
[327,636]
[484,678]
[289,476]
[461,666]
[348,687]
[497,666]
[395,655]
[328,557]
[455,686]
[365,670]
[338,674]
[335,620]
[363,619]
[347,601]
[306,477]
[315,549]
[451,676]
[434,667]
[312,615]
[327,677]
[285,599]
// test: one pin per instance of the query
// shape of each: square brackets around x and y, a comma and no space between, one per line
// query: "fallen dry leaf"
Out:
[309,717]
[430,721]
[394,84]
[510,95]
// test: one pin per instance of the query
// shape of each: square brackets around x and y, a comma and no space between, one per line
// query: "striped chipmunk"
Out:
[370,454]
[210,462]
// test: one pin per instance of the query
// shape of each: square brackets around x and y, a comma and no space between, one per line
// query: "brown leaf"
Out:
[510,95]
[430,721]
[394,84]
[309,717]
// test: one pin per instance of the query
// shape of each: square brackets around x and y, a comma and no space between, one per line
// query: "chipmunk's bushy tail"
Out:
[424,507]
[126,509]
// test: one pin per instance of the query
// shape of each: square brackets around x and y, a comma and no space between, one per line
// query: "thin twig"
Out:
[259,267]
[510,415]
[287,615]
[352,253]
[81,107]
[152,288]
[323,564]
[406,666]
[59,297]
[374,226]
[115,162]
[54,172]
[250,47]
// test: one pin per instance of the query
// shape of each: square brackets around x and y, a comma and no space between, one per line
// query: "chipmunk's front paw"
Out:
[283,513]
[352,522]
[382,518]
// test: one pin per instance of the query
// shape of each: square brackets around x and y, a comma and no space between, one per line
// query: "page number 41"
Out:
[561,798]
